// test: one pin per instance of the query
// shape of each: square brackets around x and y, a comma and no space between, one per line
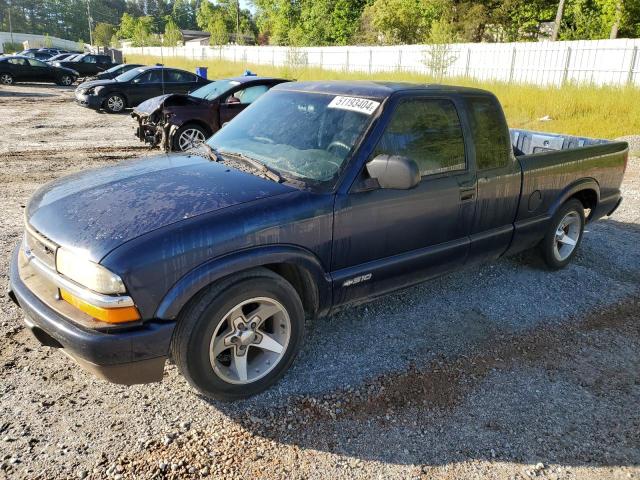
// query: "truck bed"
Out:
[554,167]
[527,142]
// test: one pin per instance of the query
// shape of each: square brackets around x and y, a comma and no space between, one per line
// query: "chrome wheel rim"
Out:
[567,236]
[66,80]
[115,103]
[250,341]
[191,137]
[6,79]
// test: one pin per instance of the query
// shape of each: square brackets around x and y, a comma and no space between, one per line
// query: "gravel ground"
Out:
[499,371]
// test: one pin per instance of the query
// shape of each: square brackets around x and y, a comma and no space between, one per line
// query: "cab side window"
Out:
[429,132]
[89,59]
[490,136]
[18,61]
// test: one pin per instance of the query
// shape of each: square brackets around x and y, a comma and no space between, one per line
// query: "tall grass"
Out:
[602,112]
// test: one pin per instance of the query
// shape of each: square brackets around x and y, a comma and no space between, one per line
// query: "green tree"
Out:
[102,34]
[218,30]
[142,32]
[127,27]
[184,14]
[406,21]
[172,33]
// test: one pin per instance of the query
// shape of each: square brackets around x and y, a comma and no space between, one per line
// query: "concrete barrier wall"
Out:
[610,62]
[37,41]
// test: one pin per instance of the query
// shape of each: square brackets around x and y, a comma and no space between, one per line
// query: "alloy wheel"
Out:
[250,341]
[567,236]
[115,103]
[6,79]
[191,137]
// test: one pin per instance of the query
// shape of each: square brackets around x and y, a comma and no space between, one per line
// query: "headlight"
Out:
[87,273]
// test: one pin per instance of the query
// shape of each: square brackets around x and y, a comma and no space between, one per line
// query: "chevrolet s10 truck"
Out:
[317,196]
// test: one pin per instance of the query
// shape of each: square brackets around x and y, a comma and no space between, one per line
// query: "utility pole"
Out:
[89,18]
[10,26]
[237,22]
[556,25]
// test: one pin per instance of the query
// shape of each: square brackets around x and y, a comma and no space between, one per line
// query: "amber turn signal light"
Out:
[108,315]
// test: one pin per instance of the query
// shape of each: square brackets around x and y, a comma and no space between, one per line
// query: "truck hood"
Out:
[98,210]
[148,107]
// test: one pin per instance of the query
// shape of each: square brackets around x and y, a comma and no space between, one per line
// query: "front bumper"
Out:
[151,133]
[127,357]
[90,101]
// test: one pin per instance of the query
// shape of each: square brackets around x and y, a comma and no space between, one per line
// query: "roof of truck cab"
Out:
[376,90]
[254,78]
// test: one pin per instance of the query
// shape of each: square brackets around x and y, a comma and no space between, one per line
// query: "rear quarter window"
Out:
[490,133]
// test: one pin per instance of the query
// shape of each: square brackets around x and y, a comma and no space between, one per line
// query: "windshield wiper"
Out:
[262,167]
[213,153]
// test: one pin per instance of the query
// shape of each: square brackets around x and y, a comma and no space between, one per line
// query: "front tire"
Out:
[239,337]
[188,136]
[564,235]
[115,103]
[66,80]
[6,79]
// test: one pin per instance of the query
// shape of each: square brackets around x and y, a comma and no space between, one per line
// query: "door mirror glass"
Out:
[394,172]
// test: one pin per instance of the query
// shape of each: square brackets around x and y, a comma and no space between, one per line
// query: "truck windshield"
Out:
[307,136]
[214,89]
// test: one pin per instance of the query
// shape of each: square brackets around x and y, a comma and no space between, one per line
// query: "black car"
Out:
[24,69]
[113,72]
[136,86]
[88,64]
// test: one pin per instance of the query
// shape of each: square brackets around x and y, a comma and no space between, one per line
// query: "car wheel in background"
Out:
[6,79]
[238,337]
[115,103]
[66,80]
[564,235]
[188,136]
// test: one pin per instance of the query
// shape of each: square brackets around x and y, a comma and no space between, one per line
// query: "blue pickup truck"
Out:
[319,195]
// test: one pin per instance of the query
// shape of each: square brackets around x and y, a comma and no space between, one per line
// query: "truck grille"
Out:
[40,247]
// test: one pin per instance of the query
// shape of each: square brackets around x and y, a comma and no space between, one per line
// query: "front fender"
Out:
[221,267]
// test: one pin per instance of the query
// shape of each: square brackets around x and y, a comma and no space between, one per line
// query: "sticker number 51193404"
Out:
[355,104]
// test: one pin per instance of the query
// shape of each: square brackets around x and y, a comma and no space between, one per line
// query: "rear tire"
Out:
[564,235]
[115,103]
[239,336]
[188,136]
[6,79]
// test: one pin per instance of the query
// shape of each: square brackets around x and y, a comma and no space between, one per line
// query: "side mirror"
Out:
[394,172]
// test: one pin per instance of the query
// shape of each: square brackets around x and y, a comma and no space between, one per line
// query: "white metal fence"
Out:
[601,62]
[36,41]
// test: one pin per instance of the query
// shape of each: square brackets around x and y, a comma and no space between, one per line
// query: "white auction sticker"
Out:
[354,104]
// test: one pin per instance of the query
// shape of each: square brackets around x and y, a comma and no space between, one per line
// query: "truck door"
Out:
[499,179]
[387,239]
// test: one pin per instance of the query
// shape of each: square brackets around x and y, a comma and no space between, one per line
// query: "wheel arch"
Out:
[298,266]
[586,190]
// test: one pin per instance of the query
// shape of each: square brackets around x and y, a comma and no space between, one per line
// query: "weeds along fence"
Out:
[599,62]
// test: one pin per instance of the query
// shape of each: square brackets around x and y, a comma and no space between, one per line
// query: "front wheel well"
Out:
[302,281]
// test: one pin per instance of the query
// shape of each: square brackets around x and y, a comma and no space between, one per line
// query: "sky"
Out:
[247,4]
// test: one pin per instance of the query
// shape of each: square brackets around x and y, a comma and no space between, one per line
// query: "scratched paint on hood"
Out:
[98,210]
